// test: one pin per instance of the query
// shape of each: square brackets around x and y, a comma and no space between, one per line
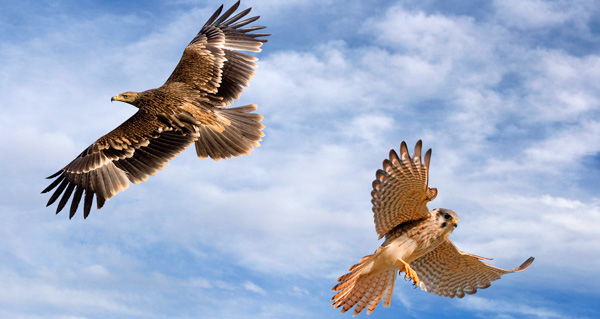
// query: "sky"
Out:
[506,93]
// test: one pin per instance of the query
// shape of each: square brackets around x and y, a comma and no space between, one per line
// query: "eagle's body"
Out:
[190,107]
[416,242]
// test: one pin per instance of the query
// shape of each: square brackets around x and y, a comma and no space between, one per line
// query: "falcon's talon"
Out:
[410,273]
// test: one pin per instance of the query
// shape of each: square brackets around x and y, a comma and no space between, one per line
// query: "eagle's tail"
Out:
[364,290]
[242,131]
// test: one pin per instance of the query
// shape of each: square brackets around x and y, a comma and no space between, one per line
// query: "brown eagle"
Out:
[191,107]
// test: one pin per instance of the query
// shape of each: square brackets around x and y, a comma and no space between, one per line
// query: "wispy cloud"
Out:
[510,121]
[508,309]
[254,288]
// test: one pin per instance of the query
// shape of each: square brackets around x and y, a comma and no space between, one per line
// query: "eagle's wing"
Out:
[209,63]
[400,193]
[447,271]
[136,149]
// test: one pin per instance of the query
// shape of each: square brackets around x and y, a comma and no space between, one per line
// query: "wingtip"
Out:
[525,264]
[427,158]
[214,16]
[55,174]
[417,151]
[403,145]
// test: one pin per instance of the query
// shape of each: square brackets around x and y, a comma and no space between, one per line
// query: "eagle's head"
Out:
[127,97]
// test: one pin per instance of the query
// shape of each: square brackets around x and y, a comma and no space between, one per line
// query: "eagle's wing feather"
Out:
[135,150]
[400,192]
[209,63]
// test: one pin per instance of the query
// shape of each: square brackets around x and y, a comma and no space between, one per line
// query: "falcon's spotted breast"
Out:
[416,241]
[191,107]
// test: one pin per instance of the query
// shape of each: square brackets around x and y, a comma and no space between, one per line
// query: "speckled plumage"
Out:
[416,242]
[191,107]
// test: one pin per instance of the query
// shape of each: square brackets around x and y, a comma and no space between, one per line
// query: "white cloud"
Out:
[563,87]
[47,293]
[254,288]
[565,147]
[433,36]
[506,122]
[525,14]
[297,291]
[501,308]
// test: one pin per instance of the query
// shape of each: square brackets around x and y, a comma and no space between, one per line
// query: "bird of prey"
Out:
[191,107]
[416,242]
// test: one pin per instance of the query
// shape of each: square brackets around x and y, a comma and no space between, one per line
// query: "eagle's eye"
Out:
[125,96]
[447,216]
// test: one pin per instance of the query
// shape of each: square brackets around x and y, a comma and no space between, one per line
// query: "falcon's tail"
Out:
[364,290]
[242,132]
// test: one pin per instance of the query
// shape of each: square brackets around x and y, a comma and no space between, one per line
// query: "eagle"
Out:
[191,107]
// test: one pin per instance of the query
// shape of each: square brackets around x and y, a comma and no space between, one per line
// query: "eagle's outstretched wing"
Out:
[210,63]
[136,149]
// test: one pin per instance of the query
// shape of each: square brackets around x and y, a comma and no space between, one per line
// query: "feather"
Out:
[76,199]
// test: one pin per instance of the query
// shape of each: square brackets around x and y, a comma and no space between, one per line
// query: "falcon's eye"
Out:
[447,216]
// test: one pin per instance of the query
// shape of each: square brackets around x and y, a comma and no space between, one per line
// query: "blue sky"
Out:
[505,92]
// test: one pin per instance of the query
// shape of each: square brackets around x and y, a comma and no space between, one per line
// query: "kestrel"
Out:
[416,242]
[191,107]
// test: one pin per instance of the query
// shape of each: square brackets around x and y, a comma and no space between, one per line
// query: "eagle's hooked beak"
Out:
[114,98]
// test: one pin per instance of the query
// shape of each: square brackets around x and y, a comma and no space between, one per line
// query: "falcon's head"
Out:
[127,97]
[447,218]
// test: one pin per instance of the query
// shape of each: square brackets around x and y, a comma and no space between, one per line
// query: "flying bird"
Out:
[191,107]
[416,242]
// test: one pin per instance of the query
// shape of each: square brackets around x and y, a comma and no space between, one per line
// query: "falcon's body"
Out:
[416,242]
[409,242]
[191,107]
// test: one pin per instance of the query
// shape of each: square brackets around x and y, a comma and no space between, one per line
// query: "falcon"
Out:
[191,107]
[416,242]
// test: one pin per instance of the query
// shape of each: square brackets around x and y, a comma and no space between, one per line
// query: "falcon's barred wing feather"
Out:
[400,193]
[210,64]
[449,272]
[136,149]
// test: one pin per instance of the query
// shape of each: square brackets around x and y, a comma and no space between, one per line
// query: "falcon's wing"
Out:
[400,193]
[210,64]
[449,272]
[136,149]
